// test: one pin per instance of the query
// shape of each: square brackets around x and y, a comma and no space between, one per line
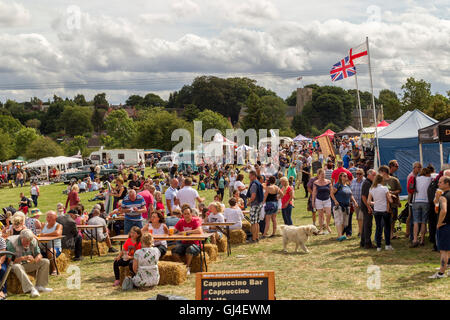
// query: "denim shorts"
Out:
[443,238]
[274,204]
[420,212]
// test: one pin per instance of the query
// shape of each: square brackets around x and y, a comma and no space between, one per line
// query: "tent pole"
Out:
[377,149]
[441,154]
[421,154]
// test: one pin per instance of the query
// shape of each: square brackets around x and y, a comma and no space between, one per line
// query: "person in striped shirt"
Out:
[133,205]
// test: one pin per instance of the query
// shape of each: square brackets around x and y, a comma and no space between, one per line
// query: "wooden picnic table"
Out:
[176,237]
[91,237]
[219,225]
[45,241]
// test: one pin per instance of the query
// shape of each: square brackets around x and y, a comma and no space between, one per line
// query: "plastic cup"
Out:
[171,231]
[150,230]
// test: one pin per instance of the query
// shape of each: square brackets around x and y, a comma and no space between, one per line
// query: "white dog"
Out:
[299,235]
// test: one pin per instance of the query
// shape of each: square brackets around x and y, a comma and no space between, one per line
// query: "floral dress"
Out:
[147,273]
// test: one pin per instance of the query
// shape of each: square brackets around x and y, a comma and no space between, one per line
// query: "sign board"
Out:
[239,285]
[444,133]
[326,146]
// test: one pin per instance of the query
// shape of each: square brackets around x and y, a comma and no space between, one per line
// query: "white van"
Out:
[130,157]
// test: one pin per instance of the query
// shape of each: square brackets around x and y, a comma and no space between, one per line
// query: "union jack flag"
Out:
[343,69]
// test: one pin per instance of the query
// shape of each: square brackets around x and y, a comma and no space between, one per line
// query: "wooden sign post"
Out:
[326,146]
[240,285]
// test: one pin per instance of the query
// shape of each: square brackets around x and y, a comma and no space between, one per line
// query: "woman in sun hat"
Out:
[32,222]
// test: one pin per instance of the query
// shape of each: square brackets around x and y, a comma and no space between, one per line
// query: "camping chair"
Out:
[8,269]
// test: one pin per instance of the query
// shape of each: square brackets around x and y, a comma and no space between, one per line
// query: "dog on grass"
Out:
[298,235]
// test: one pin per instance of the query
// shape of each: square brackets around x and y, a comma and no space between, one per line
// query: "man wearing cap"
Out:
[28,258]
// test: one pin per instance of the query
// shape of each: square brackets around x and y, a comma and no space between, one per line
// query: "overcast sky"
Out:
[142,46]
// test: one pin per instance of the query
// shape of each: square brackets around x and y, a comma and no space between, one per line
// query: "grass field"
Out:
[333,270]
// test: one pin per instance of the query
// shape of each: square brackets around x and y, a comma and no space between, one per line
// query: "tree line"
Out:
[217,102]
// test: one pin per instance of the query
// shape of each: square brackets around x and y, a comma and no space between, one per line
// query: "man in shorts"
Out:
[187,225]
[356,187]
[102,233]
[256,202]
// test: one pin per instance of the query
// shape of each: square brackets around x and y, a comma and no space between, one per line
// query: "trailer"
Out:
[129,157]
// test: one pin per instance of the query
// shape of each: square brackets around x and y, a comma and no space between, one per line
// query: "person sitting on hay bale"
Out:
[125,257]
[157,227]
[187,225]
[28,258]
[52,229]
[234,214]
[145,264]
[215,216]
[72,239]
[102,233]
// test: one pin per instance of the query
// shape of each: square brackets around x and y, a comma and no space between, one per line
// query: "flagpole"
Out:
[377,149]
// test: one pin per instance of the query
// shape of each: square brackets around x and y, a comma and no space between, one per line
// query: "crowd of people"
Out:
[168,203]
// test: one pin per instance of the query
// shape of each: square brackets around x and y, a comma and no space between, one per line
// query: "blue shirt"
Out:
[343,195]
[346,160]
[138,203]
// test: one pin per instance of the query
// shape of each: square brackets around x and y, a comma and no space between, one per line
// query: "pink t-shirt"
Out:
[286,197]
[148,197]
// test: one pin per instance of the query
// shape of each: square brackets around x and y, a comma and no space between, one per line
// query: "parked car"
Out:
[165,163]
[84,172]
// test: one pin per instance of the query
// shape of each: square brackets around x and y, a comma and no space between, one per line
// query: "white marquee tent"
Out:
[46,163]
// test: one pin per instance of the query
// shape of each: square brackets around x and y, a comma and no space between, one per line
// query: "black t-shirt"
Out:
[134,184]
[24,204]
[365,188]
[447,216]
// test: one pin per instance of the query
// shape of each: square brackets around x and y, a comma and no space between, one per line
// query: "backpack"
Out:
[431,191]
[412,185]
[29,203]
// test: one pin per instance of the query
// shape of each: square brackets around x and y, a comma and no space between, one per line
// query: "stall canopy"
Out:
[349,131]
[437,133]
[383,124]
[329,133]
[400,141]
[46,163]
[301,137]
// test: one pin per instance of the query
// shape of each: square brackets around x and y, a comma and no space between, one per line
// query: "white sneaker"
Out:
[389,248]
[42,289]
[378,249]
[437,276]
[188,271]
[34,293]
[326,232]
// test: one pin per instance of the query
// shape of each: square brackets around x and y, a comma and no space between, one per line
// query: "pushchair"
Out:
[8,269]
[403,217]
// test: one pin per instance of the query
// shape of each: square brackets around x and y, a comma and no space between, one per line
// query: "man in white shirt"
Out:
[171,196]
[188,195]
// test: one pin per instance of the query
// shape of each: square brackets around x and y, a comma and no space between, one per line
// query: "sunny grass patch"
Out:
[332,270]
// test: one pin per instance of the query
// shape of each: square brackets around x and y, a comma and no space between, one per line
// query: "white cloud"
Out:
[13,14]
[185,8]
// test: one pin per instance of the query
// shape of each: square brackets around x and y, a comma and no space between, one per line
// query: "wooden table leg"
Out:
[96,241]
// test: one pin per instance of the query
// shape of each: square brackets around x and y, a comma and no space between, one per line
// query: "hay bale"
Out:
[246,226]
[222,244]
[87,248]
[172,273]
[195,264]
[237,236]
[212,251]
[69,253]
[14,285]
[124,272]
[62,262]
[170,257]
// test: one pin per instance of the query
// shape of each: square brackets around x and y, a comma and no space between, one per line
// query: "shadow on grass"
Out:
[414,281]
[290,252]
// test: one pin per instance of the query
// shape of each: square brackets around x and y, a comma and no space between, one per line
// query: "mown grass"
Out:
[332,270]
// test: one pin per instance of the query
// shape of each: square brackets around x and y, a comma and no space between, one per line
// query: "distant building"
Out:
[304,95]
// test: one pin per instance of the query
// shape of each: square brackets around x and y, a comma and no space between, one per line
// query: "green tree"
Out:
[301,125]
[50,121]
[267,112]
[135,100]
[392,107]
[292,99]
[121,127]
[153,100]
[109,142]
[57,99]
[78,143]
[76,120]
[100,100]
[7,150]
[24,137]
[190,112]
[331,109]
[43,147]
[331,126]
[213,120]
[9,124]
[156,128]
[97,120]
[33,123]
[438,108]
[416,94]
[80,100]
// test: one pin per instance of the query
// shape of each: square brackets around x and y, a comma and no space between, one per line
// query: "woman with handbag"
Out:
[271,205]
[341,194]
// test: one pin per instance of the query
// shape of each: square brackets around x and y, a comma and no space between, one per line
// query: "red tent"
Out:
[328,133]
[383,124]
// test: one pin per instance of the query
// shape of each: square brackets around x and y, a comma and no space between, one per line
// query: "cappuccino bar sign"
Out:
[245,285]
